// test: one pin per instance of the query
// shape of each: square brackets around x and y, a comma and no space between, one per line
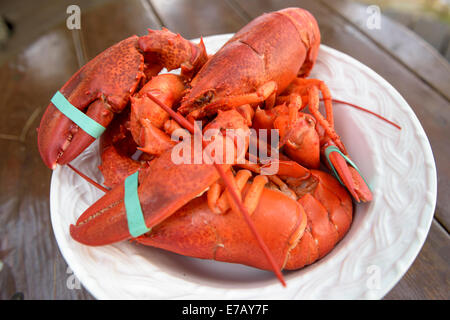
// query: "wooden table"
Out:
[42,54]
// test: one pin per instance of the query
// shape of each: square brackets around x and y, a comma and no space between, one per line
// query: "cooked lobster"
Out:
[256,80]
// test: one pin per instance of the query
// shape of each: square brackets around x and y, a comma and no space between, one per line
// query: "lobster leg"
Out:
[301,86]
[220,203]
[254,193]
[313,103]
[218,200]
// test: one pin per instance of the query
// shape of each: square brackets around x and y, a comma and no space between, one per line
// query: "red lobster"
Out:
[256,79]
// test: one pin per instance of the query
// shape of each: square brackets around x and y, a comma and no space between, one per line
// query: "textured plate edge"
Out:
[426,145]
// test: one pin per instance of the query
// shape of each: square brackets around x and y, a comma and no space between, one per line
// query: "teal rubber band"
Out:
[89,125]
[135,217]
[331,149]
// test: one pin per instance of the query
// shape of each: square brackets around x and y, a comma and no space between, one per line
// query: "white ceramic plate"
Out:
[383,241]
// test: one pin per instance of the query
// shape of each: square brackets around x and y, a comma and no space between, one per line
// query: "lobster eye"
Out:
[310,120]
[205,98]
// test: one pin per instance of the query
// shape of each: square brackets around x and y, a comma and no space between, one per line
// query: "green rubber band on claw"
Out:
[90,126]
[331,149]
[135,217]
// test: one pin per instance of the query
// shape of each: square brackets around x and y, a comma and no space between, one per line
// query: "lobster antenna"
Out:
[366,110]
[85,177]
[189,126]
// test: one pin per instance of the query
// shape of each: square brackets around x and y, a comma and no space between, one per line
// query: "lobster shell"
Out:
[252,57]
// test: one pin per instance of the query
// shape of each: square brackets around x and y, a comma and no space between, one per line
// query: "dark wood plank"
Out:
[195,18]
[31,262]
[410,50]
[32,19]
[430,107]
[431,266]
[115,21]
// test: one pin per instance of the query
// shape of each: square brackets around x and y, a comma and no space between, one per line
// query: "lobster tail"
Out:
[329,209]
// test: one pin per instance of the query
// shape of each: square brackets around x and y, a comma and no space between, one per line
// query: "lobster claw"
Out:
[349,177]
[105,85]
[101,88]
[163,187]
[105,222]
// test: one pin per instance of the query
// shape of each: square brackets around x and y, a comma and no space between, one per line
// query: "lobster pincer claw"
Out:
[163,187]
[348,174]
[99,89]
[104,86]
[174,51]
[106,222]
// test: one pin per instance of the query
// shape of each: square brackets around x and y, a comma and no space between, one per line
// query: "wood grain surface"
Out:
[42,54]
